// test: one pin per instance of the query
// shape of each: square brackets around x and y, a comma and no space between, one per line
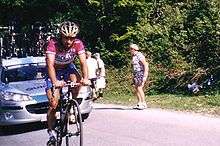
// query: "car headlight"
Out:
[14,96]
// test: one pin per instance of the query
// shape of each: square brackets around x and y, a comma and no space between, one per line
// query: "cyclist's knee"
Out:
[51,111]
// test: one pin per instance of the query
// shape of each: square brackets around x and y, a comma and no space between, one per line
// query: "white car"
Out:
[22,92]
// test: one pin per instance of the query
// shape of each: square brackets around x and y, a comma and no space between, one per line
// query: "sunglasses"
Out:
[68,38]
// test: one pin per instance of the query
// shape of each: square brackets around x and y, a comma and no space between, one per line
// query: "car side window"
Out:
[23,73]
[41,72]
[10,75]
[27,73]
[3,77]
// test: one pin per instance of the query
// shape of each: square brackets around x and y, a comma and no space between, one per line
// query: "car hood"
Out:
[8,88]
[32,87]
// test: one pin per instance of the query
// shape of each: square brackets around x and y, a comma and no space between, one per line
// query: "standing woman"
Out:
[140,74]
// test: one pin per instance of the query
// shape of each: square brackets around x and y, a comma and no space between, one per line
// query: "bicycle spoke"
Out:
[69,125]
[75,131]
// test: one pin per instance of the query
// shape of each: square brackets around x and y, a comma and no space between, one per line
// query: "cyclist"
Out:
[101,83]
[60,55]
[92,72]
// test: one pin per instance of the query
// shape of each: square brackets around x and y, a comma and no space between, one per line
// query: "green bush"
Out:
[119,81]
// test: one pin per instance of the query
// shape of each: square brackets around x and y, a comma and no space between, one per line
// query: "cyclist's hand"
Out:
[85,82]
[59,84]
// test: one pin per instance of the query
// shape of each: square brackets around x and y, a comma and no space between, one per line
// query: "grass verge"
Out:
[197,104]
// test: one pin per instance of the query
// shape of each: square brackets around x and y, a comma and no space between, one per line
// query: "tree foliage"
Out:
[179,37]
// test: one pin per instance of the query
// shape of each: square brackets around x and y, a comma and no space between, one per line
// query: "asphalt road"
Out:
[113,125]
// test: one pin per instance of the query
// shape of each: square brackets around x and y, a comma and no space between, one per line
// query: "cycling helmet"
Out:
[69,29]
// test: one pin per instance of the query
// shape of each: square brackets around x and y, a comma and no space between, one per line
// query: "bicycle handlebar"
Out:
[72,84]
[4,27]
[69,84]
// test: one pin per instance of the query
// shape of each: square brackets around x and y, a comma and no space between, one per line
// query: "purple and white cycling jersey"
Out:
[65,57]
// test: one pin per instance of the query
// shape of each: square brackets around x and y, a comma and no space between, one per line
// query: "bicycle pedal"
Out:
[73,134]
[77,133]
[50,143]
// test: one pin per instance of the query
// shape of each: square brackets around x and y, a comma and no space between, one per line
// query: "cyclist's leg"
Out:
[74,75]
[51,113]
[93,86]
[100,92]
[101,86]
[53,102]
[75,90]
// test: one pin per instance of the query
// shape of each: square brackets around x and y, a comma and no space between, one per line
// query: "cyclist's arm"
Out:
[83,65]
[50,60]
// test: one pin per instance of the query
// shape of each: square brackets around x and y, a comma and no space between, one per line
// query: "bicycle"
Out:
[68,106]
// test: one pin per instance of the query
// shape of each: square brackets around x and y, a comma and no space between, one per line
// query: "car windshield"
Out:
[24,72]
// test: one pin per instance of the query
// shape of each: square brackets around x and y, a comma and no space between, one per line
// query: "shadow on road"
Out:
[18,129]
[113,108]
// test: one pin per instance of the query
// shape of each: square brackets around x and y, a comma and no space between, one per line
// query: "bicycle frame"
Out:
[66,103]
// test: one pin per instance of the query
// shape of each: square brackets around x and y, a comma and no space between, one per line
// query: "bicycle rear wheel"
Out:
[75,128]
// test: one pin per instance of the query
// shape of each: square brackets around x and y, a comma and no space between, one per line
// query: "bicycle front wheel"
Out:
[74,126]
